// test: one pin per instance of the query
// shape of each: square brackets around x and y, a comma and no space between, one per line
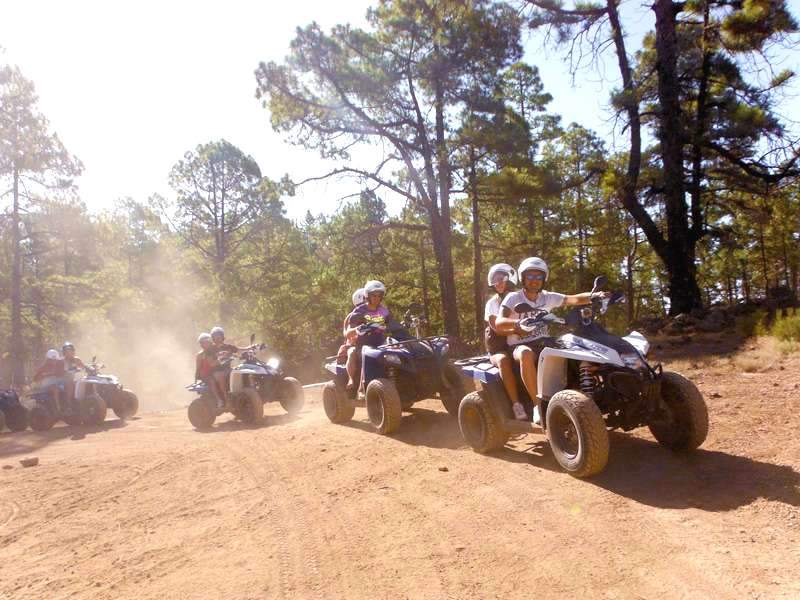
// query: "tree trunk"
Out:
[441,225]
[684,292]
[17,342]
[477,266]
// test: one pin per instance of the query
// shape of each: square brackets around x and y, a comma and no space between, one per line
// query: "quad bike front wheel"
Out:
[93,410]
[452,390]
[201,416]
[126,404]
[16,417]
[251,407]
[339,408]
[41,419]
[292,397]
[577,433]
[684,424]
[480,424]
[384,408]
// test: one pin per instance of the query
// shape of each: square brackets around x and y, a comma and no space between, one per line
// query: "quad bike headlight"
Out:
[273,363]
[392,359]
[632,361]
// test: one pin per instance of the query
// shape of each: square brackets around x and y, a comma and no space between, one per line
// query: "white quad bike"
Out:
[121,400]
[589,382]
[251,383]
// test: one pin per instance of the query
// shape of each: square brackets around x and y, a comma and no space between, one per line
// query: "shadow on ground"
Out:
[26,442]
[236,425]
[421,427]
[648,473]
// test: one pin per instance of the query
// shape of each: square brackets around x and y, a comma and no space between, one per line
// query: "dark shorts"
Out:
[495,343]
[536,346]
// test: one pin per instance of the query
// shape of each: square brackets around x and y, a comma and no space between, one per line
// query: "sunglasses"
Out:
[534,276]
[499,279]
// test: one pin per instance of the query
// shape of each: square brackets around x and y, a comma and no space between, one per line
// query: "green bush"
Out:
[786,328]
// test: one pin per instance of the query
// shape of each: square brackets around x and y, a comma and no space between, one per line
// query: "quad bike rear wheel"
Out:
[339,408]
[16,417]
[684,427]
[126,404]
[201,415]
[292,397]
[2,421]
[452,390]
[480,424]
[577,433]
[93,410]
[41,419]
[384,408]
[251,407]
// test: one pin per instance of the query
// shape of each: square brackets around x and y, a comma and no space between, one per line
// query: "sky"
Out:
[131,86]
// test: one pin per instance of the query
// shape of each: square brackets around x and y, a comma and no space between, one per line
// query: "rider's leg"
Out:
[527,367]
[353,363]
[504,362]
[221,379]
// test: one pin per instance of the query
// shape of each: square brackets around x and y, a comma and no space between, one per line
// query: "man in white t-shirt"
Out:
[526,347]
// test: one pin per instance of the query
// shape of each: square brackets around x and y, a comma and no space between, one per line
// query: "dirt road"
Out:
[301,508]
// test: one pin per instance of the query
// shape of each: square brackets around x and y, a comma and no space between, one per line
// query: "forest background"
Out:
[457,160]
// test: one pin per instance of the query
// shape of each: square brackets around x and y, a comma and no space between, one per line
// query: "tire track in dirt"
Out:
[274,507]
[8,512]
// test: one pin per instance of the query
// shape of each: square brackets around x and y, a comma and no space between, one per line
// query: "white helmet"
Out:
[204,337]
[531,263]
[217,331]
[509,271]
[374,286]
[53,354]
[359,297]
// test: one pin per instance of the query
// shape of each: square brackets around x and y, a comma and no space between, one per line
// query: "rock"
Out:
[715,395]
[29,462]
[7,467]
[444,469]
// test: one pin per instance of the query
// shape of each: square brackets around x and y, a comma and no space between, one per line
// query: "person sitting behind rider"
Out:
[52,375]
[359,297]
[371,312]
[221,371]
[502,278]
[205,362]
[526,346]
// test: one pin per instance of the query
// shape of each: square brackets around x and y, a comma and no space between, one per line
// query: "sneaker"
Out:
[537,418]
[519,412]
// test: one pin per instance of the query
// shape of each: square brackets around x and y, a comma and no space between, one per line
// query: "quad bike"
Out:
[589,382]
[251,384]
[121,400]
[394,376]
[12,412]
[86,408]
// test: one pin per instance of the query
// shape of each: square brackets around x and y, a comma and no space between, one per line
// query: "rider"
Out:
[220,371]
[205,363]
[51,374]
[502,278]
[526,347]
[72,364]
[370,312]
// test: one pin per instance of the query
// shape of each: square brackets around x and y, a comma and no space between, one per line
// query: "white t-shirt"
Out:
[492,308]
[544,301]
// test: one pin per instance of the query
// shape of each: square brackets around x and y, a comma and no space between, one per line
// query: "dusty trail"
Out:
[301,508]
